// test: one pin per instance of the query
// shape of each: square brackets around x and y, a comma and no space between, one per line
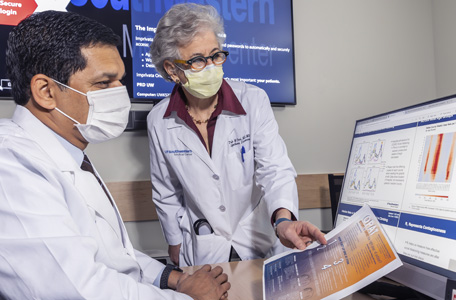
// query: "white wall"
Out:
[6,108]
[445,46]
[354,59]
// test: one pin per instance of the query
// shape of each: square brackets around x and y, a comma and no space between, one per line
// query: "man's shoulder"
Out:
[10,130]
[15,138]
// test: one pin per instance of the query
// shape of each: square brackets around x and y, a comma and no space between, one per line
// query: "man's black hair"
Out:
[50,43]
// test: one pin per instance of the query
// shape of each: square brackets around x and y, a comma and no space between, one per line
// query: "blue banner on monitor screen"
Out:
[429,225]
[259,39]
[384,216]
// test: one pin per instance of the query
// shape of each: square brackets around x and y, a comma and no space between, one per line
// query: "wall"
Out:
[445,46]
[354,58]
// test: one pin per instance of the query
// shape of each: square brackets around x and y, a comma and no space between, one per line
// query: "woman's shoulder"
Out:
[157,112]
[242,86]
[248,94]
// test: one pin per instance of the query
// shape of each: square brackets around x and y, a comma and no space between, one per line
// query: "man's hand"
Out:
[205,284]
[299,234]
[173,252]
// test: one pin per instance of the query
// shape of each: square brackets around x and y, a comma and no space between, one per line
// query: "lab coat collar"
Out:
[63,160]
[74,151]
[45,138]
[230,102]
[228,107]
[177,105]
[176,116]
[233,110]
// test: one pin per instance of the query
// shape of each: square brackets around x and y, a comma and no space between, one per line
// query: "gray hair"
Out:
[178,27]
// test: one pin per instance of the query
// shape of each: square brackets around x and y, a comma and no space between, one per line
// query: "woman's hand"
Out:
[299,234]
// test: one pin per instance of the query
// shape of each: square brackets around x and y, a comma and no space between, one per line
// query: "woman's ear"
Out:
[43,91]
[170,68]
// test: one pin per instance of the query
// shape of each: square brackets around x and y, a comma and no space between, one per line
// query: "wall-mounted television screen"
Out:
[259,39]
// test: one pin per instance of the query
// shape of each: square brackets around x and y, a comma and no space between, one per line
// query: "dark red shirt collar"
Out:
[227,101]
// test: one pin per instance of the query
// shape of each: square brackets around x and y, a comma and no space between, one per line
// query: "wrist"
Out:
[170,276]
[278,221]
[281,213]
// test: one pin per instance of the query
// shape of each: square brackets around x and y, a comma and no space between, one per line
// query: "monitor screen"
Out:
[402,164]
[259,38]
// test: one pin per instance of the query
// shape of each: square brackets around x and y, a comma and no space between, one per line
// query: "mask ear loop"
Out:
[57,109]
[69,87]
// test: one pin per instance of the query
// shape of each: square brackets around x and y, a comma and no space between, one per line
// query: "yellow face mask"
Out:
[204,84]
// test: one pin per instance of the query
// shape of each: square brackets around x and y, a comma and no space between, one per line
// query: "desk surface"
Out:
[246,278]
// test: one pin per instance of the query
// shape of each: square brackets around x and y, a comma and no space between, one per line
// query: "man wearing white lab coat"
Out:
[61,235]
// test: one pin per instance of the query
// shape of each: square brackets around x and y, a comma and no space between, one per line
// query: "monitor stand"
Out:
[421,280]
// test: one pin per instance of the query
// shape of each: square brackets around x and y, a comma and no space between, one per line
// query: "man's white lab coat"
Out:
[60,237]
[237,189]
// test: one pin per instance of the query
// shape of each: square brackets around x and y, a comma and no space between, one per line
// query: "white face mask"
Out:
[108,113]
[205,83]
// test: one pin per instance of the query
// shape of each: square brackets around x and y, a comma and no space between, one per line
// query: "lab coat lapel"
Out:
[85,182]
[191,140]
[225,125]
[112,216]
[91,191]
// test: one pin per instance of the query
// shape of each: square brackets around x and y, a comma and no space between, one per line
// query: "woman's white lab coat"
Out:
[60,238]
[237,190]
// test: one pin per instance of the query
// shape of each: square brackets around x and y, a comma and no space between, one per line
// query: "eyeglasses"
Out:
[199,63]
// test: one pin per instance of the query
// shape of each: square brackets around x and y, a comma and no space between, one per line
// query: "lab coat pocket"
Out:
[240,169]
[210,248]
[258,229]
[201,249]
[186,250]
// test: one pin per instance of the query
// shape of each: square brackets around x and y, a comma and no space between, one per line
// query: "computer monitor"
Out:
[402,163]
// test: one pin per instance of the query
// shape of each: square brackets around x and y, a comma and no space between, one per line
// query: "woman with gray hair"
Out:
[223,184]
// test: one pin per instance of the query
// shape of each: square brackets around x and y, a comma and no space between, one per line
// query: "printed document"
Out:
[358,252]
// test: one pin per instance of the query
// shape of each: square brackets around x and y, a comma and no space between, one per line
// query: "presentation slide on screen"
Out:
[259,38]
[406,174]
[260,52]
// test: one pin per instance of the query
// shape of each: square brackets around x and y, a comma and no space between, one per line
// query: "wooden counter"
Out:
[246,278]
